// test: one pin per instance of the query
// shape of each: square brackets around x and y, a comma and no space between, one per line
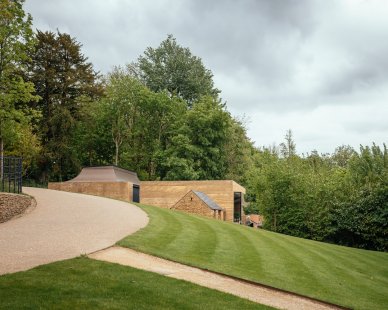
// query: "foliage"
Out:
[158,136]
[349,277]
[337,198]
[140,123]
[363,222]
[239,152]
[64,80]
[92,138]
[288,148]
[197,150]
[16,41]
[362,219]
[173,68]
[207,124]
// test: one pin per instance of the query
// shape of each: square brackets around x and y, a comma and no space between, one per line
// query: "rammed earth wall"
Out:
[12,205]
[115,190]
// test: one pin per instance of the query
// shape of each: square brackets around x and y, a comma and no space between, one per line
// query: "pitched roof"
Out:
[206,199]
[106,174]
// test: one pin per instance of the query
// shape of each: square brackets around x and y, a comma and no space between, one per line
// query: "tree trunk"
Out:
[117,144]
[1,158]
[274,221]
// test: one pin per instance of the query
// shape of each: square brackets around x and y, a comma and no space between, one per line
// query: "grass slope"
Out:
[83,283]
[345,276]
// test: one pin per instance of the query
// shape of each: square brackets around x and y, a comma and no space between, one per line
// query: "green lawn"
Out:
[84,283]
[346,276]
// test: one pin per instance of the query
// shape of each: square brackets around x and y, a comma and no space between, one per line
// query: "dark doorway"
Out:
[237,207]
[136,193]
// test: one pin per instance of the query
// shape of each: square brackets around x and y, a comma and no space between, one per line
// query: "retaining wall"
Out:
[12,205]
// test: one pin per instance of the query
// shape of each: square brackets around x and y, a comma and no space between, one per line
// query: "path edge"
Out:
[269,287]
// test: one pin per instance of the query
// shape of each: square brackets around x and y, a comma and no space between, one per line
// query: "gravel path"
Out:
[64,225]
[256,293]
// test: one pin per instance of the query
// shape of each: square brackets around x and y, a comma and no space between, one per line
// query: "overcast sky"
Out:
[319,68]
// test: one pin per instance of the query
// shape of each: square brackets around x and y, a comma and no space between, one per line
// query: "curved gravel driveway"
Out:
[64,225]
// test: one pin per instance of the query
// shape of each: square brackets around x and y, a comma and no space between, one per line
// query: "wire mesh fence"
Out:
[11,174]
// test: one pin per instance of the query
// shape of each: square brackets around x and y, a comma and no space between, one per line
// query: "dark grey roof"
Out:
[206,199]
[106,174]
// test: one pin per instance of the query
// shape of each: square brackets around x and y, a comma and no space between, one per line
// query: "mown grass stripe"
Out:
[291,263]
[231,237]
[162,230]
[197,241]
[227,241]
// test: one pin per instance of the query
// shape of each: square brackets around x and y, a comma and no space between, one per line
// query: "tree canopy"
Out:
[325,197]
[16,41]
[173,68]
[65,81]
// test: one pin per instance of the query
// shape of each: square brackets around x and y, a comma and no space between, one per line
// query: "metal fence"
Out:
[11,174]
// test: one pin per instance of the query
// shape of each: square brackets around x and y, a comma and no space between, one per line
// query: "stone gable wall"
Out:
[190,203]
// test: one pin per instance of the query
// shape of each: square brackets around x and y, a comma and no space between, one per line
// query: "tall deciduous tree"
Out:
[209,122]
[140,122]
[239,151]
[16,40]
[342,155]
[173,68]
[198,150]
[120,107]
[288,148]
[65,80]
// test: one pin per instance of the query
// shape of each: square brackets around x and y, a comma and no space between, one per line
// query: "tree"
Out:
[239,151]
[120,106]
[141,123]
[288,149]
[363,222]
[208,123]
[16,40]
[92,138]
[196,146]
[342,155]
[177,161]
[173,68]
[369,168]
[65,80]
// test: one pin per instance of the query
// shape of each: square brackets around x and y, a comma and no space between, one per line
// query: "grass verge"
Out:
[84,283]
[345,276]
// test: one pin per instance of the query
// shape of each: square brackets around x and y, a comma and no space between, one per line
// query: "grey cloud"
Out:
[367,126]
[367,70]
[228,35]
[250,34]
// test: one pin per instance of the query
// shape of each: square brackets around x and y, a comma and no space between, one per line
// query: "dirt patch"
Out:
[14,205]
[254,292]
